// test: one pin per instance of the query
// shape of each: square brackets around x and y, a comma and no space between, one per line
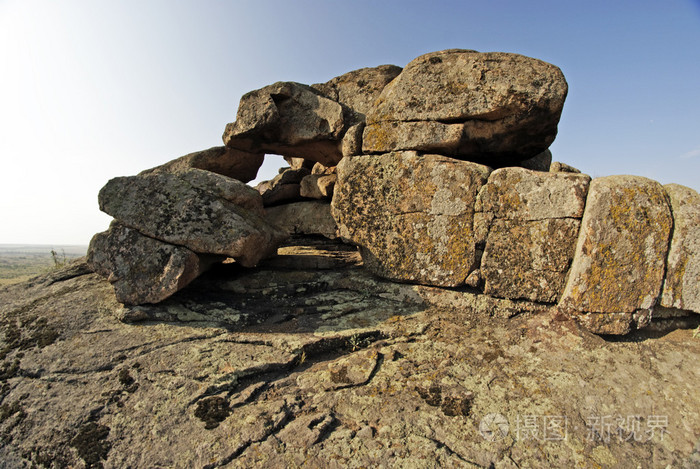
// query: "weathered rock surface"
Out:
[411,214]
[529,259]
[529,221]
[318,186]
[236,164]
[142,269]
[203,211]
[308,218]
[621,251]
[682,283]
[360,88]
[493,107]
[283,188]
[292,120]
[559,167]
[522,194]
[266,368]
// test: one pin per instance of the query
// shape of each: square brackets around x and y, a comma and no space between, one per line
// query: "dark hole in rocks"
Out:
[92,445]
[212,411]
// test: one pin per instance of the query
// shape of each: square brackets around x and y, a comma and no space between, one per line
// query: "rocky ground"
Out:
[309,361]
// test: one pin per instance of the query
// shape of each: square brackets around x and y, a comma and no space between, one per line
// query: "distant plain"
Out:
[20,262]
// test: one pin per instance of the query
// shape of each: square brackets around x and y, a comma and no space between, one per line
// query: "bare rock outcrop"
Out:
[142,269]
[682,283]
[496,108]
[529,221]
[290,119]
[204,212]
[620,259]
[411,214]
[236,164]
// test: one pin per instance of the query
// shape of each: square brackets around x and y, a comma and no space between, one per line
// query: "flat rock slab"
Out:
[200,210]
[412,215]
[622,247]
[491,107]
[142,269]
[413,382]
[682,284]
[230,162]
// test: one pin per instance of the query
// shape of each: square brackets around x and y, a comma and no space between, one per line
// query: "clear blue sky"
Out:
[93,89]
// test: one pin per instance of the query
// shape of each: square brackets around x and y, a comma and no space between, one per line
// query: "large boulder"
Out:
[202,211]
[621,251]
[236,164]
[497,108]
[360,88]
[682,284]
[531,221]
[303,218]
[411,214]
[142,269]
[292,120]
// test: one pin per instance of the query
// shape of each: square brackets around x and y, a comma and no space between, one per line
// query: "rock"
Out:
[289,119]
[540,162]
[621,251]
[411,214]
[306,218]
[298,163]
[360,88]
[682,283]
[352,140]
[142,269]
[523,194]
[559,167]
[236,164]
[317,186]
[321,170]
[205,212]
[529,259]
[234,370]
[284,188]
[427,136]
[507,105]
[529,221]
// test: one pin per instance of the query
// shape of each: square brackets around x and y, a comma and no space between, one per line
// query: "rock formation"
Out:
[439,173]
[421,287]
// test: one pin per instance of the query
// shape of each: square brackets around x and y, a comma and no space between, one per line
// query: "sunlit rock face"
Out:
[437,174]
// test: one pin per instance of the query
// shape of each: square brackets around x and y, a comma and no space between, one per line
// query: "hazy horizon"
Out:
[96,90]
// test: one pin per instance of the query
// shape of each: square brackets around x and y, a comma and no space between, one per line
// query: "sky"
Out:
[94,89]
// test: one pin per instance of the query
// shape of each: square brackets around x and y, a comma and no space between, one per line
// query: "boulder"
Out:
[292,120]
[283,188]
[303,218]
[504,107]
[236,164]
[559,167]
[205,212]
[621,251]
[529,221]
[142,269]
[410,214]
[682,284]
[519,193]
[360,88]
[528,259]
[318,186]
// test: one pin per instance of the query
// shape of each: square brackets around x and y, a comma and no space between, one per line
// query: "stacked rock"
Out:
[439,172]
